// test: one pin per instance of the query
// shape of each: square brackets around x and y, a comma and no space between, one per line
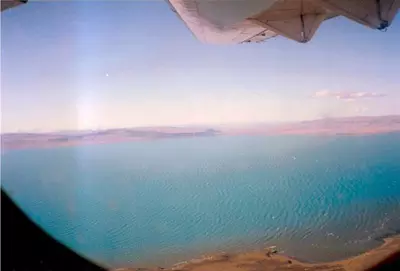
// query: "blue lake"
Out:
[317,198]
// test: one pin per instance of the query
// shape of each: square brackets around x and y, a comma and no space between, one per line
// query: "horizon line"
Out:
[197,125]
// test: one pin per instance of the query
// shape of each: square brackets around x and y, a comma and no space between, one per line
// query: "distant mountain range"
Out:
[337,126]
[52,139]
[328,126]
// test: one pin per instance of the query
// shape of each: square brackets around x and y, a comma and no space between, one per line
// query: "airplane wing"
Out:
[222,21]
[238,21]
[6,4]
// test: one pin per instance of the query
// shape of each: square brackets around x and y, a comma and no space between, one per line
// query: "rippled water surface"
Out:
[159,202]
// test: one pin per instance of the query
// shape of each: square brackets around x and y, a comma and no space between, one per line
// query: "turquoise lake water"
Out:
[155,203]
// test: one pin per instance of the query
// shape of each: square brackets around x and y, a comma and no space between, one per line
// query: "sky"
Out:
[97,65]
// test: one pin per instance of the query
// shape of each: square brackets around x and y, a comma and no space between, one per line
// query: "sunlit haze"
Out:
[81,65]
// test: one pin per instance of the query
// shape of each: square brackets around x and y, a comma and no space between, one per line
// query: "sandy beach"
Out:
[270,259]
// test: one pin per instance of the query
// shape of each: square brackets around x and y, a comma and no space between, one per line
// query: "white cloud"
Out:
[361,109]
[322,93]
[347,96]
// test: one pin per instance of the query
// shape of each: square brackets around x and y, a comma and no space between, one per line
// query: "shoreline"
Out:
[46,145]
[270,259]
[347,126]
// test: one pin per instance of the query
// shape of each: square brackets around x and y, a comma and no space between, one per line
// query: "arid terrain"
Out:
[271,260]
[339,126]
[331,126]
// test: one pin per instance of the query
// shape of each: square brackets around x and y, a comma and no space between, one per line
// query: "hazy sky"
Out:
[115,64]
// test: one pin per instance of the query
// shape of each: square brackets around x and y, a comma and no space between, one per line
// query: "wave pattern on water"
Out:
[317,198]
